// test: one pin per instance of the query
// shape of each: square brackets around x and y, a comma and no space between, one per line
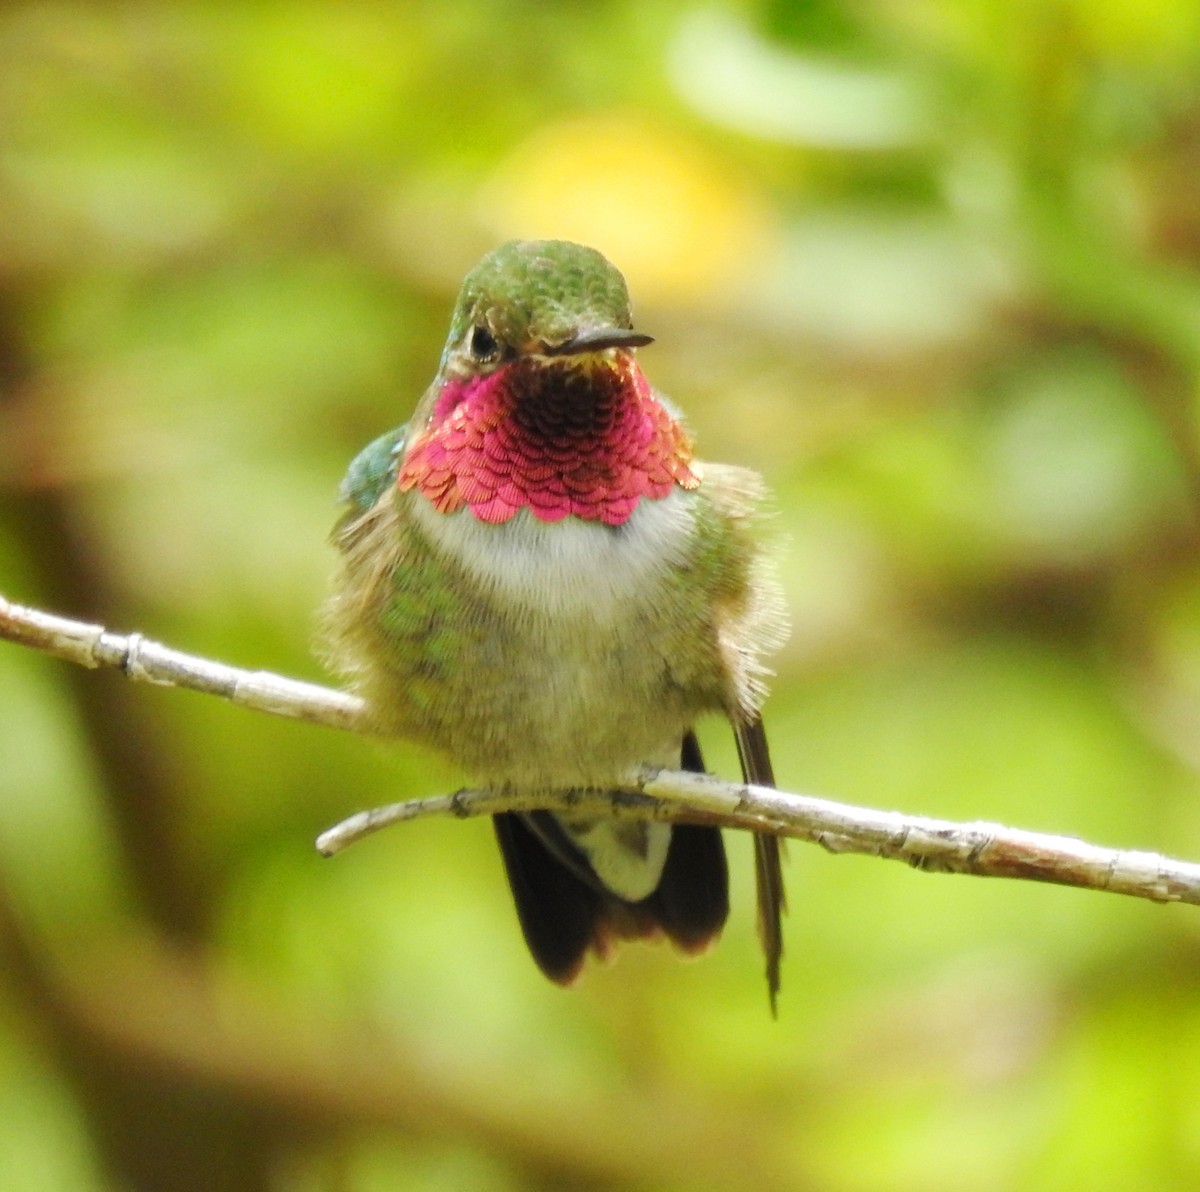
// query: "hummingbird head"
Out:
[539,403]
[541,299]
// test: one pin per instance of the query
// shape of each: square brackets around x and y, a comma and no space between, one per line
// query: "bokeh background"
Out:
[933,267]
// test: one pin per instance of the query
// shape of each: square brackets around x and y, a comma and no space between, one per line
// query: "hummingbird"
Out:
[540,580]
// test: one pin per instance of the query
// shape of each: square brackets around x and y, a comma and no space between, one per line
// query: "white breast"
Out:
[571,568]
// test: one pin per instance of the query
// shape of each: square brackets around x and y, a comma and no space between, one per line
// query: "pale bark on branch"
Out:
[979,848]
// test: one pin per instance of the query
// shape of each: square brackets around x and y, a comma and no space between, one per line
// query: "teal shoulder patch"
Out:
[373,470]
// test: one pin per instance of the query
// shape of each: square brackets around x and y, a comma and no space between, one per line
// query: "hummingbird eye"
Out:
[483,344]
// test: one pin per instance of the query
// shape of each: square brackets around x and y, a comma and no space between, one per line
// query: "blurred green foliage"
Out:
[933,267]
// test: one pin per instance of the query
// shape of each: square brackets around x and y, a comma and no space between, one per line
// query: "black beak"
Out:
[596,339]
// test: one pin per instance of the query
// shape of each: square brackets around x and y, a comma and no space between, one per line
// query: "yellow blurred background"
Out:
[933,267]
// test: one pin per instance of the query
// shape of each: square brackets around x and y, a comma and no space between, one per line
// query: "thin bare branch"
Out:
[146,661]
[937,846]
[979,848]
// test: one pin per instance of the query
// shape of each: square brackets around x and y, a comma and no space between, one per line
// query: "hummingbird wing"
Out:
[768,869]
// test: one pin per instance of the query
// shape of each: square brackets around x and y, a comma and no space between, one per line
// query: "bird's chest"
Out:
[554,576]
[566,658]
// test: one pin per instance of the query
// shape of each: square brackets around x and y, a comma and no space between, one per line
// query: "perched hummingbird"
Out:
[539,579]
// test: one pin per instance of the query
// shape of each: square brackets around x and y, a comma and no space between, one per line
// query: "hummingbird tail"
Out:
[558,912]
[692,899]
[564,908]
[691,903]
[562,915]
